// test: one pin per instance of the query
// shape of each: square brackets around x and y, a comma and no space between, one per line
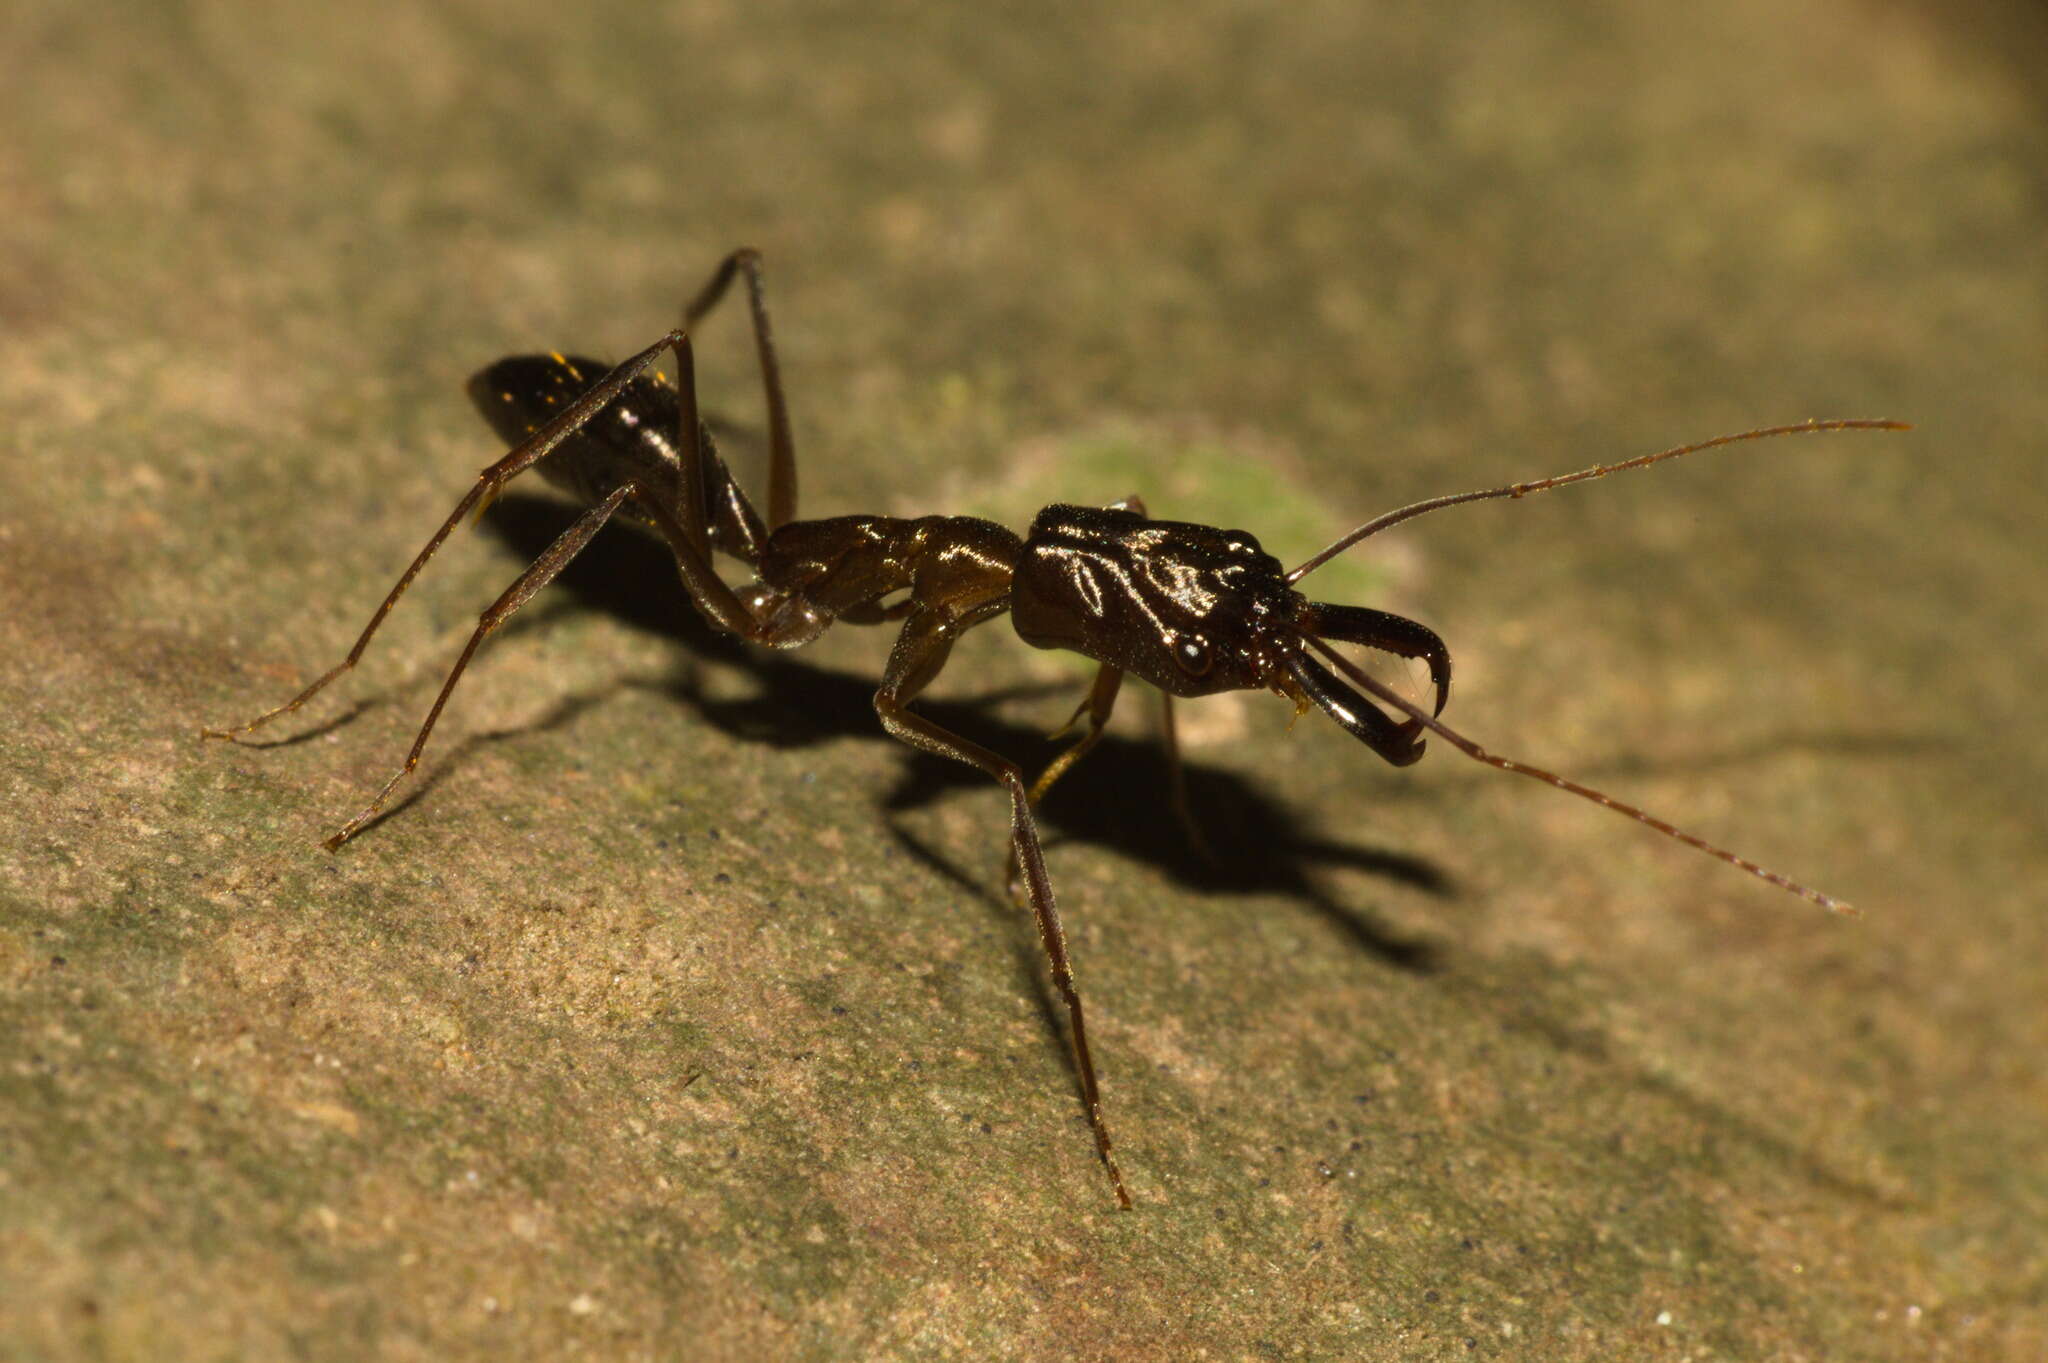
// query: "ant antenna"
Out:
[1473,750]
[1518,490]
[1598,797]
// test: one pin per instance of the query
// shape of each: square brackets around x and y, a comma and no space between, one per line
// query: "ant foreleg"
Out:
[781,447]
[919,653]
[522,457]
[1096,706]
[537,575]
[1100,700]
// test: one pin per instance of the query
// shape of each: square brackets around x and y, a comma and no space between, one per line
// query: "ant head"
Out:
[1192,609]
[1195,610]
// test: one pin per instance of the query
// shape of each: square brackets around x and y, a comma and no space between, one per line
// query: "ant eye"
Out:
[1191,651]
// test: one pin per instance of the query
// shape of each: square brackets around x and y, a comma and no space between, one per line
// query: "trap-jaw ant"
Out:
[1192,609]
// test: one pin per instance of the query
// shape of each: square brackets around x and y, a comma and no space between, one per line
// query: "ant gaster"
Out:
[1191,609]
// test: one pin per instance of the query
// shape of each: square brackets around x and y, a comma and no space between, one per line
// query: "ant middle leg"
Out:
[920,651]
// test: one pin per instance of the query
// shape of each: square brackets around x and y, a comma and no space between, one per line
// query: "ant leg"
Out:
[523,456]
[537,575]
[1096,706]
[781,448]
[732,524]
[1177,781]
[687,526]
[1101,698]
[919,653]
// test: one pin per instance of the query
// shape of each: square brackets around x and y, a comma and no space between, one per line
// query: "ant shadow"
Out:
[1254,843]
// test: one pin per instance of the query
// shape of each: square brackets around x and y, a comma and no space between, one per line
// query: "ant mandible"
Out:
[1192,609]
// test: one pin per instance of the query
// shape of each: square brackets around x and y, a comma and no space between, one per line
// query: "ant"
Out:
[1192,609]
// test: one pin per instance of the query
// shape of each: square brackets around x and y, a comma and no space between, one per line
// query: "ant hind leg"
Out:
[488,483]
[537,575]
[781,448]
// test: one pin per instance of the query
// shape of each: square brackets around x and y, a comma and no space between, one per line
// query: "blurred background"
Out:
[677,1012]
